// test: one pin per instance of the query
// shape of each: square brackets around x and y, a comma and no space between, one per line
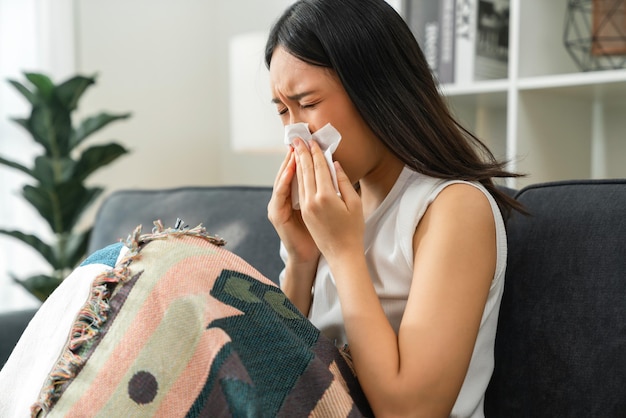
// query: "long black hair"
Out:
[385,74]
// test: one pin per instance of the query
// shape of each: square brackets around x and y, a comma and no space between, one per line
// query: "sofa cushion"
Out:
[236,213]
[561,339]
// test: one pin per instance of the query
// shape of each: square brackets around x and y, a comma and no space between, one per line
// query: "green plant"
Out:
[59,193]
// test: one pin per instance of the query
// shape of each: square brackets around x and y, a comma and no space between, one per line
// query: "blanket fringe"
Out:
[94,314]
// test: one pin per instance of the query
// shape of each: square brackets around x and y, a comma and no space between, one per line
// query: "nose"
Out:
[294,116]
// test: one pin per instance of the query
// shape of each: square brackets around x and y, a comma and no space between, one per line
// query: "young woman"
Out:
[405,267]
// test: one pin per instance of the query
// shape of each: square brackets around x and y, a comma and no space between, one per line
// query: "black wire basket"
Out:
[595,34]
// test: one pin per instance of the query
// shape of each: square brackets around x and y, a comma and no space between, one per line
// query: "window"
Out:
[31,39]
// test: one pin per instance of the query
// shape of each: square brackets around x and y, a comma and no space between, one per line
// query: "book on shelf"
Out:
[432,23]
[492,40]
[447,25]
[465,41]
[422,16]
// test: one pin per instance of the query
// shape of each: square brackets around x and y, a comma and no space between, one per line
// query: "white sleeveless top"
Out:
[389,253]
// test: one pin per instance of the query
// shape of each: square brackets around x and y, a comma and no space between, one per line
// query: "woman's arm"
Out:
[420,371]
[297,284]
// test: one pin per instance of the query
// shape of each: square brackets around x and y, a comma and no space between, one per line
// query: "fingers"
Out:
[346,188]
[304,168]
[289,158]
[281,193]
[320,165]
[312,168]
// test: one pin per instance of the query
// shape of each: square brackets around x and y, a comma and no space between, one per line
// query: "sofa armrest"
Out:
[12,325]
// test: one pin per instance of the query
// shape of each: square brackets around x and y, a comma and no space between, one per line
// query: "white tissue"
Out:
[328,139]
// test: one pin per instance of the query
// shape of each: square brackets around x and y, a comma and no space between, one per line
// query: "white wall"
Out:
[166,62]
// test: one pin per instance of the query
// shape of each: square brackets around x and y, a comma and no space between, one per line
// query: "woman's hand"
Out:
[302,252]
[335,223]
[288,222]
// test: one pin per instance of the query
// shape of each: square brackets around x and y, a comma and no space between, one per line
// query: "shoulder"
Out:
[463,200]
[460,214]
[424,191]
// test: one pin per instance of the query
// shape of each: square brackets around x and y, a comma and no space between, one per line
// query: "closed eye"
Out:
[308,106]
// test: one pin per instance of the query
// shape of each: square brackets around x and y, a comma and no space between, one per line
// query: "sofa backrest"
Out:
[236,213]
[561,339]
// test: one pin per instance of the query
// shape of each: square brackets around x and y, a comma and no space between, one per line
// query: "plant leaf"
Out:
[92,125]
[70,91]
[40,127]
[44,85]
[34,242]
[43,171]
[29,95]
[43,199]
[51,171]
[95,157]
[17,166]
[81,199]
[51,126]
[23,123]
[40,285]
[62,205]
[76,247]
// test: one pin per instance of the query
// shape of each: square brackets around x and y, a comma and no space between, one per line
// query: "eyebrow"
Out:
[295,97]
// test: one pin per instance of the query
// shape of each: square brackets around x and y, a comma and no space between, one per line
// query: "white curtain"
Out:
[37,36]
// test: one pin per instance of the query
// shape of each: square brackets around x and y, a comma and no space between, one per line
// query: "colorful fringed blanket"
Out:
[182,327]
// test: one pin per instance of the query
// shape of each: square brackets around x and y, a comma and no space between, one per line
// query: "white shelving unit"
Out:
[549,119]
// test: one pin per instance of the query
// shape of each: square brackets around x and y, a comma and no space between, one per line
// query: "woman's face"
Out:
[307,93]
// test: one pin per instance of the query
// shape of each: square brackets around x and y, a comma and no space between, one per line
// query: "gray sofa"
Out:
[561,340]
